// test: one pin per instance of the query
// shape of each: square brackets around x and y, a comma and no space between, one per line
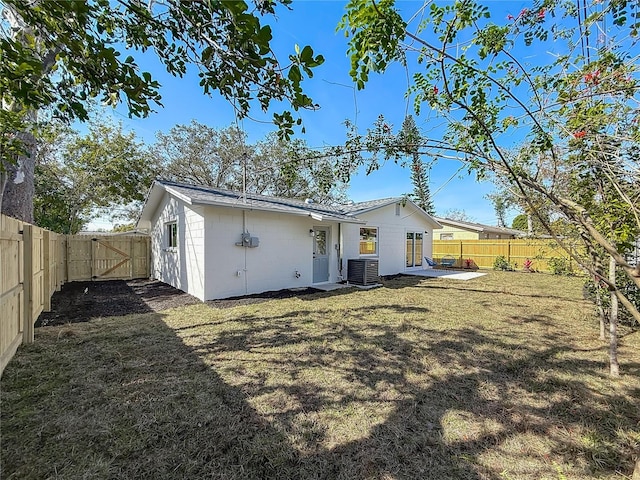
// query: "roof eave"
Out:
[299,211]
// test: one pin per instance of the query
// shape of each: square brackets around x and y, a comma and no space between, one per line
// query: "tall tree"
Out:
[501,204]
[411,140]
[199,154]
[78,175]
[458,214]
[60,54]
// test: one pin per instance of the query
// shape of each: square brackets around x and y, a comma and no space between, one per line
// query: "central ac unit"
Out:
[362,271]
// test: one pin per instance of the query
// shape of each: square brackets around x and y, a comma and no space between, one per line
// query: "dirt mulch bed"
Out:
[82,301]
[261,297]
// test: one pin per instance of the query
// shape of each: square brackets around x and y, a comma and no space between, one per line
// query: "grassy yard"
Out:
[502,377]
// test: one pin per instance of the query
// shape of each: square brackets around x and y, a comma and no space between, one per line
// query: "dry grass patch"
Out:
[500,377]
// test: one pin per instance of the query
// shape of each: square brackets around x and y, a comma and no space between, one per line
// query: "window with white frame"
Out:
[446,236]
[368,241]
[172,234]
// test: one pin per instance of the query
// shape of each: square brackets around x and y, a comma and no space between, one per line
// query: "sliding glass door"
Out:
[414,249]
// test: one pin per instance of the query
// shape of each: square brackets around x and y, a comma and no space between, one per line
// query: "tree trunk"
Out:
[16,199]
[600,311]
[529,224]
[17,185]
[614,369]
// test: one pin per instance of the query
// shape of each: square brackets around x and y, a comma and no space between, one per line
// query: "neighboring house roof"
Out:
[199,195]
[478,227]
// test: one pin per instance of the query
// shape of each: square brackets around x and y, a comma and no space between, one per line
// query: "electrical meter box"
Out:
[246,240]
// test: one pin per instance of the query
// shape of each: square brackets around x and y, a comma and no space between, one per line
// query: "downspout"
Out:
[244,217]
[339,252]
[244,230]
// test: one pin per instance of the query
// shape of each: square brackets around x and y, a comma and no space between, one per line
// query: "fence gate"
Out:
[107,257]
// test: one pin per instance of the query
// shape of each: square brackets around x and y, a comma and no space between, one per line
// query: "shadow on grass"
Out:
[127,398]
[493,398]
[505,292]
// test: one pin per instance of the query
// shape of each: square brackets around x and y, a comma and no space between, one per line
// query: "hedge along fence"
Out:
[32,268]
[544,253]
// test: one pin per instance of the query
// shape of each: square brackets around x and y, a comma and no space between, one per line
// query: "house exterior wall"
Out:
[456,233]
[392,236]
[285,248]
[459,233]
[181,267]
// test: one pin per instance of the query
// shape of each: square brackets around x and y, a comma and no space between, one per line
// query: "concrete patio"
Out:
[448,274]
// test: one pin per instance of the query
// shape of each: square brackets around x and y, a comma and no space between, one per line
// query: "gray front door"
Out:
[321,255]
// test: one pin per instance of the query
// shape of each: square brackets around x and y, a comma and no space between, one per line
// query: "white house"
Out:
[216,243]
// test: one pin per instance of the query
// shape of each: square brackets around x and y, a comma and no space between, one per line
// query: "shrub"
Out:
[560,266]
[500,263]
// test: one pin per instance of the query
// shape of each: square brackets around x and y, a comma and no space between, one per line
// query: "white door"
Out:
[321,255]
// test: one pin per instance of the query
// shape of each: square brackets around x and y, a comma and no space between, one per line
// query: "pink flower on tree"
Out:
[579,134]
[592,77]
[435,90]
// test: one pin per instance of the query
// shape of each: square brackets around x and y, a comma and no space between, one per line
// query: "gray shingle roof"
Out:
[217,196]
[361,207]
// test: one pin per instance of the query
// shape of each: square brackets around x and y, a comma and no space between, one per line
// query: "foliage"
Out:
[60,54]
[520,222]
[410,138]
[123,227]
[201,155]
[575,109]
[501,263]
[500,206]
[76,175]
[458,214]
[560,266]
[593,289]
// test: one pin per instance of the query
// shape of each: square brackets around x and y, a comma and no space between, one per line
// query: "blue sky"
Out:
[312,22]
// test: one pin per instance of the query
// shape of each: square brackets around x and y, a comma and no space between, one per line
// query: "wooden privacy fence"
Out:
[107,257]
[31,268]
[34,263]
[483,253]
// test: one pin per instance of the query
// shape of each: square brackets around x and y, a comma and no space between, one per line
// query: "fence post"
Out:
[46,274]
[27,327]
[508,251]
[461,256]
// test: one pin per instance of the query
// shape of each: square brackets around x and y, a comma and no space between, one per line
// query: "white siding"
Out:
[392,235]
[285,248]
[181,267]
